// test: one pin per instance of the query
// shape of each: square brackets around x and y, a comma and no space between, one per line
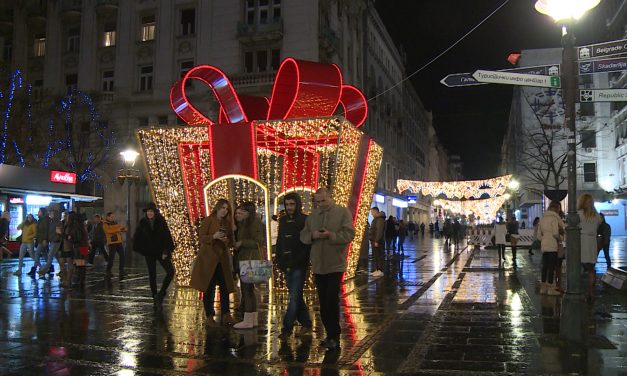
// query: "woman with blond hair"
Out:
[589,221]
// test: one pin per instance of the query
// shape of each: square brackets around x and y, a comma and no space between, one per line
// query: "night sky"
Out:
[471,121]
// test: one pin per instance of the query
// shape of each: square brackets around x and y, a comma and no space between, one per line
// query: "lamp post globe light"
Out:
[565,12]
[129,174]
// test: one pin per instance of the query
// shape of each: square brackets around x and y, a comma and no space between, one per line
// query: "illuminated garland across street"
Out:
[483,209]
[468,189]
[261,149]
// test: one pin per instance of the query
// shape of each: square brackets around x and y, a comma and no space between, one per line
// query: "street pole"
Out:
[572,317]
[128,215]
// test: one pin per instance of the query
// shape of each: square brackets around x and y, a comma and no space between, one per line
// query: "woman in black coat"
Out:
[154,241]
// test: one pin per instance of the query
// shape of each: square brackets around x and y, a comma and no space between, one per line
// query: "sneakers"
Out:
[377,273]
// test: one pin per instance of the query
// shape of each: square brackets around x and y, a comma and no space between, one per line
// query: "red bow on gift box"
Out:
[302,89]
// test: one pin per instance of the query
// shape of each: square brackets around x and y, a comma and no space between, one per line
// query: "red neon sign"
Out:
[62,177]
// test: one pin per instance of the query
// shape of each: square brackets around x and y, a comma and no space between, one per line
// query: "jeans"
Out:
[328,286]
[25,247]
[151,262]
[401,241]
[53,248]
[378,254]
[209,295]
[501,251]
[549,259]
[40,250]
[296,309]
[113,249]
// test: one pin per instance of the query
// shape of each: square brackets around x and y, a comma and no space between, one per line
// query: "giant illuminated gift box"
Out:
[261,149]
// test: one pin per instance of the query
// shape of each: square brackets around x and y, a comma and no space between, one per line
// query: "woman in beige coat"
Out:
[213,265]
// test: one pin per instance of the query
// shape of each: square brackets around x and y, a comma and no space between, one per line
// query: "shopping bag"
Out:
[255,271]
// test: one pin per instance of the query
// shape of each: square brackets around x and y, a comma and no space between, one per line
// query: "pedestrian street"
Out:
[436,311]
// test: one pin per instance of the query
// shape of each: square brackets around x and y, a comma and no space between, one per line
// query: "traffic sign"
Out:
[611,48]
[495,77]
[618,64]
[603,95]
[466,79]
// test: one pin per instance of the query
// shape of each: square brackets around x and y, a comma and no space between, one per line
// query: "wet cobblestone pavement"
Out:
[438,311]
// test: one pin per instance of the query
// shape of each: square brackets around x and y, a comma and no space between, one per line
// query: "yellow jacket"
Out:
[113,232]
[28,231]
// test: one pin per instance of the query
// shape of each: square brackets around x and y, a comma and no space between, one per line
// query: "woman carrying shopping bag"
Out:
[248,245]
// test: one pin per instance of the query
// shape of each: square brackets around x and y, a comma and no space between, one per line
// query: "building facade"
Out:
[127,55]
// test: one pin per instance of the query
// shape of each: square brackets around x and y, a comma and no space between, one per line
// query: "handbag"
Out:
[255,271]
[508,237]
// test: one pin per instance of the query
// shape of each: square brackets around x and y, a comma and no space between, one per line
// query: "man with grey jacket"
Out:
[377,240]
[329,229]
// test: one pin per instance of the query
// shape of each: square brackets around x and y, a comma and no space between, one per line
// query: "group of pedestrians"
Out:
[320,239]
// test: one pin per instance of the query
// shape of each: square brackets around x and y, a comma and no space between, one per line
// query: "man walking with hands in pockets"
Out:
[329,229]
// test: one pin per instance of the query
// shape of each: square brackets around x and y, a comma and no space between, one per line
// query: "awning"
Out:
[73,196]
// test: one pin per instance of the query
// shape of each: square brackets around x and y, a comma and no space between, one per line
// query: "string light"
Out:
[457,189]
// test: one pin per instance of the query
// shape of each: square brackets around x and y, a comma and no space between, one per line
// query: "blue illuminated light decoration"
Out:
[20,157]
[16,80]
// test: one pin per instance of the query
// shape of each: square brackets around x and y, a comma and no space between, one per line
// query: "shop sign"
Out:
[62,177]
[16,200]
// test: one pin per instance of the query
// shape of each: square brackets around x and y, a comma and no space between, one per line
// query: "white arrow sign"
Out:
[603,95]
[494,77]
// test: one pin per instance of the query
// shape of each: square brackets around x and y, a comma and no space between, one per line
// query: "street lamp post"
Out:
[129,174]
[565,12]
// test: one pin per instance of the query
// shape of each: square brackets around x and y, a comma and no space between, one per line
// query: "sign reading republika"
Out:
[466,79]
[611,48]
[63,177]
[603,95]
[495,77]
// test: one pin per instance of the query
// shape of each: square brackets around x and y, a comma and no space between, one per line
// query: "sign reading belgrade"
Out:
[62,177]
[610,48]
[603,95]
[495,77]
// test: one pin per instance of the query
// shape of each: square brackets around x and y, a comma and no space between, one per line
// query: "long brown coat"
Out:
[212,252]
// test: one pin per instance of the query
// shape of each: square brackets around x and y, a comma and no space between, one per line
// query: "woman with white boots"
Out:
[550,233]
[249,240]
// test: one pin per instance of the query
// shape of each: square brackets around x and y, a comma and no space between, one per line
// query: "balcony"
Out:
[106,8]
[103,97]
[249,34]
[245,80]
[329,41]
[36,14]
[71,9]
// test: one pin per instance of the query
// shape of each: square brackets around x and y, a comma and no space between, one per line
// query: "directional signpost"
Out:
[592,51]
[495,77]
[603,66]
[603,95]
[466,79]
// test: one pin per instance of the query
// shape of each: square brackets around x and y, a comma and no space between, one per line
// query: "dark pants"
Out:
[606,253]
[401,240]
[249,298]
[501,251]
[389,243]
[113,249]
[296,309]
[97,246]
[209,295]
[549,260]
[328,286]
[151,262]
[378,254]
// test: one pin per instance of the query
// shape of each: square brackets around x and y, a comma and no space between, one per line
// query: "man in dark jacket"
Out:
[377,240]
[292,257]
[604,233]
[154,241]
[41,238]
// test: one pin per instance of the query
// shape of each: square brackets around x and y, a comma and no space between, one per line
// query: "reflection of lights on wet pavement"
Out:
[128,359]
[516,309]
[125,372]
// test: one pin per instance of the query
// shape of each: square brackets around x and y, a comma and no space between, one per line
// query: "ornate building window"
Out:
[149,27]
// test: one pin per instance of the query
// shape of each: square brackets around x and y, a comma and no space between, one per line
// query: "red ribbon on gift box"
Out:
[301,89]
